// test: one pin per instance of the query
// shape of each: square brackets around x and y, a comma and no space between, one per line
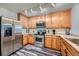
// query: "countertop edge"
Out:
[71,43]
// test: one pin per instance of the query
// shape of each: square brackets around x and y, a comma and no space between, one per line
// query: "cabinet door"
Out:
[56,42]
[61,19]
[63,48]
[48,41]
[29,23]
[68,53]
[24,21]
[25,39]
[48,21]
[33,19]
[31,39]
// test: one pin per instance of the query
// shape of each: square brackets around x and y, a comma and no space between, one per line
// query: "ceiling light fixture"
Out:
[53,4]
[31,10]
[40,8]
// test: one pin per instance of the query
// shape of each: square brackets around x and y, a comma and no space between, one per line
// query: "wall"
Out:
[7,13]
[75,19]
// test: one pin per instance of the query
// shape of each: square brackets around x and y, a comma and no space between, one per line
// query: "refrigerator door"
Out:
[7,47]
[18,37]
[6,39]
[17,42]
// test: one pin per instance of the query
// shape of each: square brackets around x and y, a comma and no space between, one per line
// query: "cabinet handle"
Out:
[65,52]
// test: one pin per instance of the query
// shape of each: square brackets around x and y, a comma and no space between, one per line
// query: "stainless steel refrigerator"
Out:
[6,36]
[18,43]
[10,36]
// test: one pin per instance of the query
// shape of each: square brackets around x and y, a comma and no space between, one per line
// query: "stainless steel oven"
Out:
[39,40]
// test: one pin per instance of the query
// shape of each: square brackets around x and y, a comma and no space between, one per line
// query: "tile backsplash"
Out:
[48,31]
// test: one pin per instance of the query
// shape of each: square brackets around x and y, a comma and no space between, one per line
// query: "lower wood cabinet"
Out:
[25,39]
[31,39]
[63,48]
[52,42]
[67,49]
[48,41]
[55,42]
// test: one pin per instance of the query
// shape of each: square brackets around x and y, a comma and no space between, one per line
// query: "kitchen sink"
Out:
[76,41]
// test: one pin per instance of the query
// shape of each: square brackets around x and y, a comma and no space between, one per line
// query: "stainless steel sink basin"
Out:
[76,41]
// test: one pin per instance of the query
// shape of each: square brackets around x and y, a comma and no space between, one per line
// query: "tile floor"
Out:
[31,50]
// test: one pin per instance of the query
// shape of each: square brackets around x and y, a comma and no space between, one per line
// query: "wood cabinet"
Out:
[61,19]
[52,42]
[33,22]
[48,41]
[25,39]
[24,20]
[29,23]
[67,49]
[63,48]
[31,39]
[40,18]
[56,42]
[48,21]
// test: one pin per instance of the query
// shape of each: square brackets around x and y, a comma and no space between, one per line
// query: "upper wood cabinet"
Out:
[48,20]
[34,20]
[61,19]
[23,20]
[40,18]
[30,23]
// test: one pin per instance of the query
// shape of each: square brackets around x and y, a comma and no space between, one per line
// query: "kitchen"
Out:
[39,29]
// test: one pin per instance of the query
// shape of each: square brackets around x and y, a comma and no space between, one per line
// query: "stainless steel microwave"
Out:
[40,25]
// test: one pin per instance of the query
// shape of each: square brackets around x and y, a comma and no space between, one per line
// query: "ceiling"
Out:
[18,7]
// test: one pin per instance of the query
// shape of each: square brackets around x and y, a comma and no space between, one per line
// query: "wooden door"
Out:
[48,41]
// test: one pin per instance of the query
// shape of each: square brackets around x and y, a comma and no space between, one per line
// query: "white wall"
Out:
[7,13]
[75,19]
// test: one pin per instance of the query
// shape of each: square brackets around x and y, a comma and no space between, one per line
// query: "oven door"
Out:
[39,41]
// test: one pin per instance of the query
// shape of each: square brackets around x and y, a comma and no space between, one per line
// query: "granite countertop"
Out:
[72,40]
